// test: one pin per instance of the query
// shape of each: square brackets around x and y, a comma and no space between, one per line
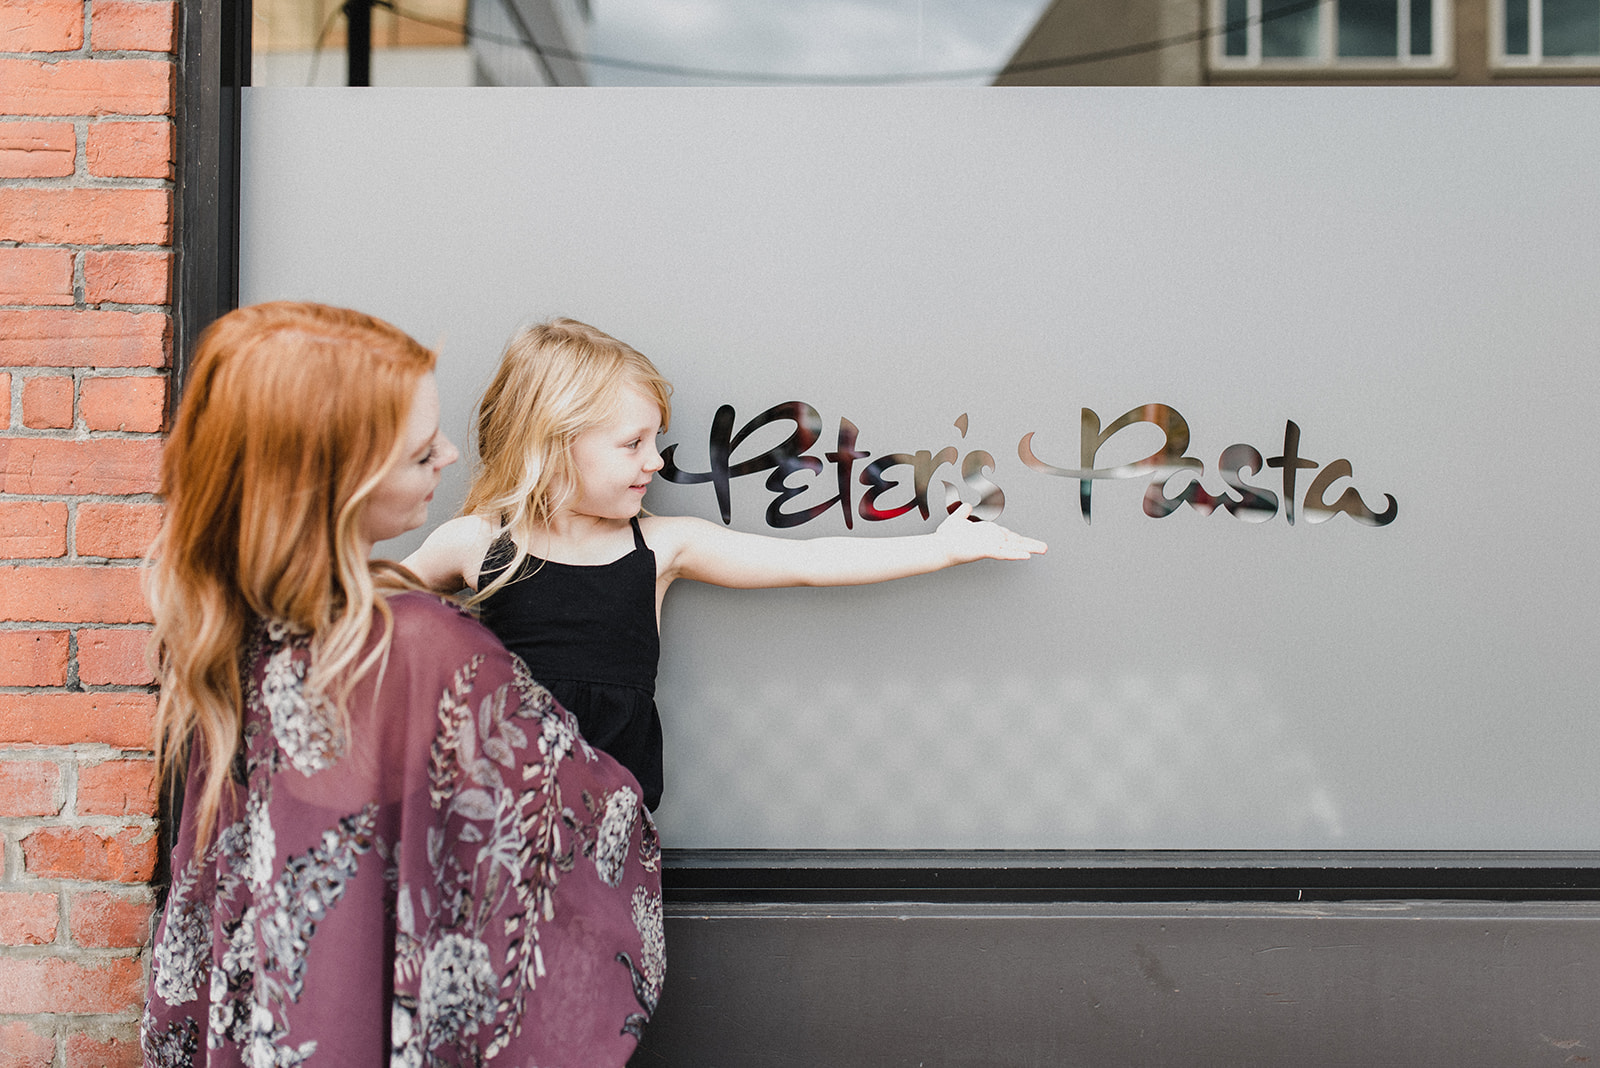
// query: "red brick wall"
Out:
[86,200]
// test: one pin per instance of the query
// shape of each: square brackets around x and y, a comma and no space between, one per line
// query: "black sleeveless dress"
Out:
[588,633]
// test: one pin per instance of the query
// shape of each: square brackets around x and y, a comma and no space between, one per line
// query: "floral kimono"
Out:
[458,879]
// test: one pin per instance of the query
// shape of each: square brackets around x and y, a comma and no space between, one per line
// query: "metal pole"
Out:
[358,41]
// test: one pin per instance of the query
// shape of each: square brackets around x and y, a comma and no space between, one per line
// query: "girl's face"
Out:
[616,459]
[400,501]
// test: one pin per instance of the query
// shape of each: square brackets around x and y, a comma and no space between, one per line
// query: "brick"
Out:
[127,277]
[114,657]
[28,919]
[31,530]
[23,1047]
[30,788]
[33,657]
[86,87]
[5,398]
[101,985]
[116,531]
[101,920]
[133,26]
[95,594]
[41,26]
[123,403]
[127,855]
[95,466]
[36,276]
[30,214]
[130,150]
[120,720]
[47,402]
[37,150]
[101,1051]
[84,338]
[117,788]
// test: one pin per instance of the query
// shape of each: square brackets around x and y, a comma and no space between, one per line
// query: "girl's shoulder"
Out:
[453,554]
[667,533]
[677,538]
[676,526]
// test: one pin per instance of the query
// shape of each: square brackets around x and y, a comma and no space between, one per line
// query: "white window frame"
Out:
[1326,57]
[1535,56]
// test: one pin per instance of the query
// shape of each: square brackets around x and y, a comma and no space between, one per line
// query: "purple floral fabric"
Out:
[459,880]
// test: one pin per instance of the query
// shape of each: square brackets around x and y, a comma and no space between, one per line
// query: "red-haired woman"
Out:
[395,848]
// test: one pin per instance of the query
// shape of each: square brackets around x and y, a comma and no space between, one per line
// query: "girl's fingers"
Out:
[993,539]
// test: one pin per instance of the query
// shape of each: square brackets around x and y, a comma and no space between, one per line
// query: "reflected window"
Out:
[1554,32]
[1314,33]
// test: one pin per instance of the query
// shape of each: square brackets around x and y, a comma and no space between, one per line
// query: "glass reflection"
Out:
[1288,33]
[1571,28]
[1516,13]
[1237,40]
[1369,28]
[1422,27]
[957,761]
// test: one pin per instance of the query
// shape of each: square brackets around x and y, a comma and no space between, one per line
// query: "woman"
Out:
[394,847]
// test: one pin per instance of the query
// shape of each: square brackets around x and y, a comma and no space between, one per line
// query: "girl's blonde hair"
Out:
[291,415]
[555,381]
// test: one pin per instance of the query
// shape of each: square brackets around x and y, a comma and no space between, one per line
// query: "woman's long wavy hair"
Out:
[555,381]
[291,415]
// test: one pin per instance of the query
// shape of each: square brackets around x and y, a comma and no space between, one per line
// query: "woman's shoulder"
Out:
[437,646]
[426,624]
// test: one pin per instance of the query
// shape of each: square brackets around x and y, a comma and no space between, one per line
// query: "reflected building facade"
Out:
[1310,42]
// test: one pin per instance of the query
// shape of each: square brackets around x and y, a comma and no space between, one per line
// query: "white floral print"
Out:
[260,842]
[650,969]
[653,957]
[457,993]
[183,957]
[616,828]
[303,722]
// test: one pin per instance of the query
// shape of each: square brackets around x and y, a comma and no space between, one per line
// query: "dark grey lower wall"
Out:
[1416,983]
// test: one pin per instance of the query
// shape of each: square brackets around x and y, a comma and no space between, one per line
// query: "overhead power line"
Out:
[544,52]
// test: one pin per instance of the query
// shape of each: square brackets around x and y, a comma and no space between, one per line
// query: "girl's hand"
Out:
[970,539]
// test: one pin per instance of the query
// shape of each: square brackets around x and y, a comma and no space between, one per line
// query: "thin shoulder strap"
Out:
[638,535]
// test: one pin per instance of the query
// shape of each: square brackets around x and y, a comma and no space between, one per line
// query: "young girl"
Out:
[569,571]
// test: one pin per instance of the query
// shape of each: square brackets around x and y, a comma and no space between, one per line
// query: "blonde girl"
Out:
[374,859]
[569,572]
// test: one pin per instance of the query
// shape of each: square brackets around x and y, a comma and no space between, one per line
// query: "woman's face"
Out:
[400,501]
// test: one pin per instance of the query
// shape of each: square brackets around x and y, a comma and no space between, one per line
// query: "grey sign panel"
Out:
[1296,384]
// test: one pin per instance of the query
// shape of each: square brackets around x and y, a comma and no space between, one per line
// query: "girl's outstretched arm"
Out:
[453,554]
[701,550]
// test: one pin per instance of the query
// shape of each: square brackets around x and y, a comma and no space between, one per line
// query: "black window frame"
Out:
[214,67]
